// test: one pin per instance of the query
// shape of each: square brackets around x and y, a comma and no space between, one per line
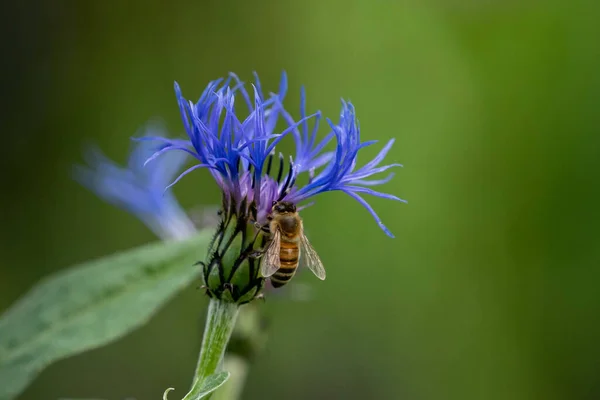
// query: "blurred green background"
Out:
[490,288]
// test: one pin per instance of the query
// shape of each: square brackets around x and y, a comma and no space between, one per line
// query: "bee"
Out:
[288,247]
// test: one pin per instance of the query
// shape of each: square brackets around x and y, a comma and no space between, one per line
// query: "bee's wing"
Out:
[270,261]
[309,258]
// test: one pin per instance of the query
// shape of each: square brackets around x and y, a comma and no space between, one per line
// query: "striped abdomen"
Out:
[288,258]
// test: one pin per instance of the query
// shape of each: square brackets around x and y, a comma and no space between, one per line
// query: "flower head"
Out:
[239,150]
[340,172]
[138,189]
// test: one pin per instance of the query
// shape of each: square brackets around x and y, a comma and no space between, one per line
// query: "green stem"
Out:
[220,322]
[247,340]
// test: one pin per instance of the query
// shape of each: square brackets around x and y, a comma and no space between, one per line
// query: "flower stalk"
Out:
[220,321]
[247,342]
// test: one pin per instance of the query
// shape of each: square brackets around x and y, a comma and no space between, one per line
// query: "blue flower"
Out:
[240,152]
[340,174]
[139,189]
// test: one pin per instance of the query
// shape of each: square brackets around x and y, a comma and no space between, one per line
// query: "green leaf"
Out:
[90,305]
[209,385]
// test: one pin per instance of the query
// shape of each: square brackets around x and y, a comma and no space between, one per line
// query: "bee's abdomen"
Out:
[288,258]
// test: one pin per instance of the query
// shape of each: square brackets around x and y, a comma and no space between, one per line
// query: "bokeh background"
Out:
[488,291]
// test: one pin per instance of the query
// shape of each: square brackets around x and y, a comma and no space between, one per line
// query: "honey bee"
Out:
[288,247]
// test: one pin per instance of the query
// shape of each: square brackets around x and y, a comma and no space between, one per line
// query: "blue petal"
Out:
[379,158]
[169,148]
[373,193]
[373,182]
[363,173]
[371,211]
[187,171]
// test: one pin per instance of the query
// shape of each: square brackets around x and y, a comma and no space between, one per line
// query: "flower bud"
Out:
[232,272]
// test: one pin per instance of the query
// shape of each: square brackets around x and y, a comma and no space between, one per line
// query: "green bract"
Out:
[231,272]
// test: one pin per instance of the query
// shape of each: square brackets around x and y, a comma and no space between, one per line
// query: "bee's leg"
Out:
[262,227]
[256,254]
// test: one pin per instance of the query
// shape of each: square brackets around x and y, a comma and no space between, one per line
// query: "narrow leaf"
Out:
[90,305]
[210,384]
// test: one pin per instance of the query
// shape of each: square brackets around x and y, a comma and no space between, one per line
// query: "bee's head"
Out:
[283,207]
